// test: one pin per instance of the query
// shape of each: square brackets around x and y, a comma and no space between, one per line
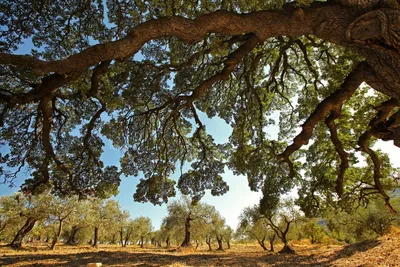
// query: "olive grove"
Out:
[138,73]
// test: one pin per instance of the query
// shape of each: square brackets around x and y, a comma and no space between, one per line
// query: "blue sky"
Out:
[229,205]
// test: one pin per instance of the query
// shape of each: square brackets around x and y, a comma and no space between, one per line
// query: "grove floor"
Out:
[384,251]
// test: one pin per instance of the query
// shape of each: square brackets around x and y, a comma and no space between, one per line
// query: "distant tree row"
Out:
[45,217]
[287,222]
[189,222]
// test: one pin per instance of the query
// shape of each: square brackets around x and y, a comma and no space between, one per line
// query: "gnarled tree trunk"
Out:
[71,238]
[219,240]
[57,235]
[26,228]
[261,243]
[208,241]
[96,238]
[142,242]
[121,238]
[186,241]
[271,242]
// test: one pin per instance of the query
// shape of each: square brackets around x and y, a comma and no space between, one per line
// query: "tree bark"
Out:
[71,239]
[168,243]
[113,239]
[271,243]
[208,241]
[287,249]
[26,228]
[57,235]
[127,236]
[219,240]
[186,241]
[261,243]
[96,237]
[142,242]
[121,238]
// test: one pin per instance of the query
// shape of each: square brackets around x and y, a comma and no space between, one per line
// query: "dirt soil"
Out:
[384,251]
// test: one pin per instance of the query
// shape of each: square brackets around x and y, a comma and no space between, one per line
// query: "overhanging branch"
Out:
[335,100]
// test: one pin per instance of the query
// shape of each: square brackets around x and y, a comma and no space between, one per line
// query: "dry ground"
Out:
[384,251]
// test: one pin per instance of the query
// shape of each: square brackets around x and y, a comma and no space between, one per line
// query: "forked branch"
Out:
[335,100]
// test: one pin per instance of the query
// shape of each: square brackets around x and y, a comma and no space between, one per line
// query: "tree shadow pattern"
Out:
[167,258]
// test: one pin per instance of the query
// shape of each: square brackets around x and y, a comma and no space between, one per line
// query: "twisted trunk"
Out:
[219,240]
[271,243]
[142,242]
[208,241]
[186,241]
[96,238]
[121,238]
[57,235]
[26,228]
[261,243]
[71,239]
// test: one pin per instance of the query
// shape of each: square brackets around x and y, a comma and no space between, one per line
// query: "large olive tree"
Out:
[139,72]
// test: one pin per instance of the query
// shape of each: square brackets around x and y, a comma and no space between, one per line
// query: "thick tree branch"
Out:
[344,165]
[265,24]
[98,71]
[47,88]
[383,127]
[181,101]
[384,111]
[336,99]
[363,142]
[46,108]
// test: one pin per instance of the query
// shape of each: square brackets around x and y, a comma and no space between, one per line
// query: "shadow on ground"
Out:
[350,250]
[165,258]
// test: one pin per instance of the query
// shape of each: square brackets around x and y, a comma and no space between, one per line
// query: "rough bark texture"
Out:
[26,228]
[71,239]
[142,242]
[186,241]
[219,240]
[57,235]
[282,234]
[271,243]
[121,239]
[261,243]
[208,241]
[96,238]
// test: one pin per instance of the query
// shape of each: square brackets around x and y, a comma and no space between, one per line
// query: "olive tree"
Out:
[142,229]
[31,209]
[60,210]
[327,69]
[255,226]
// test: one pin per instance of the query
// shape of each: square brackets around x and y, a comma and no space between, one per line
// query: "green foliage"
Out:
[145,96]
[311,228]
[205,220]
[361,223]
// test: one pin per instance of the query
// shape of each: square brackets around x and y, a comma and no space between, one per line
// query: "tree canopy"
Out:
[139,72]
